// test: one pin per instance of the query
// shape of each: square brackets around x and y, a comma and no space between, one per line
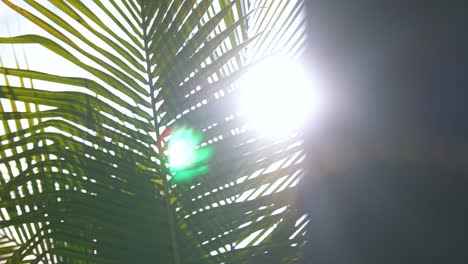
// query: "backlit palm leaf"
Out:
[84,166]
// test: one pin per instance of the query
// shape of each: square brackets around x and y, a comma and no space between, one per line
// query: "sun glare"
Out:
[276,96]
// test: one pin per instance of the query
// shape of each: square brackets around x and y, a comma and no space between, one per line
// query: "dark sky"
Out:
[394,66]
[397,62]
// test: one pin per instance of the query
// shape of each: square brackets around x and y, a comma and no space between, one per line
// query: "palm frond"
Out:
[84,168]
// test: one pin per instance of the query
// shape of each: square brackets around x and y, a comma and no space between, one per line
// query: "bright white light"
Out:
[276,96]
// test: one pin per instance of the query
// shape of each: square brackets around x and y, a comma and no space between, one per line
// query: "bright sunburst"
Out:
[276,96]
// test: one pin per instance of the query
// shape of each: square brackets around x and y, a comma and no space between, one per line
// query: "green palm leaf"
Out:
[84,167]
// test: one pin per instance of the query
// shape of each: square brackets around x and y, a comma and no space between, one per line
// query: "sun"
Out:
[277,96]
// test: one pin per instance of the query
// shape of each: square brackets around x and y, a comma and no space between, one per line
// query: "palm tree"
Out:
[84,167]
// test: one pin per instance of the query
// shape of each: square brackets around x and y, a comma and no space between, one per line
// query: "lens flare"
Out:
[186,159]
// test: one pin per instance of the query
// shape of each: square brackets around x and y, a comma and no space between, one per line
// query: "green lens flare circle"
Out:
[187,159]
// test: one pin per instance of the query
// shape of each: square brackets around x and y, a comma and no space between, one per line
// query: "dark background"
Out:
[399,70]
[403,62]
